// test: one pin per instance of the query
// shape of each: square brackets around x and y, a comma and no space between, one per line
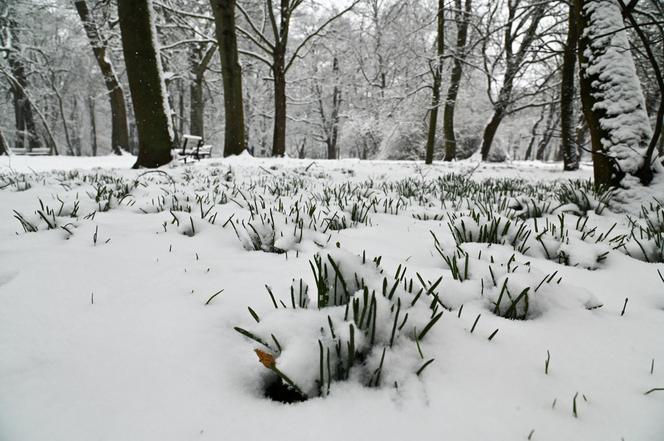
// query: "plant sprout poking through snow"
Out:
[366,328]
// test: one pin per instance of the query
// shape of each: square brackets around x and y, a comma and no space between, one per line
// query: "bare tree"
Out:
[329,122]
[100,49]
[520,31]
[26,129]
[273,42]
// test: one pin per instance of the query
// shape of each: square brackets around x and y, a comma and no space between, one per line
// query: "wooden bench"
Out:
[39,151]
[193,147]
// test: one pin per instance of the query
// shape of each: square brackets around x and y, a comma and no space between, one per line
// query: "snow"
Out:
[105,332]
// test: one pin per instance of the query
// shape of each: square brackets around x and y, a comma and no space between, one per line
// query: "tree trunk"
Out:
[146,83]
[437,79]
[75,123]
[4,148]
[196,103]
[567,115]
[533,136]
[26,131]
[119,128]
[490,132]
[93,126]
[65,126]
[181,105]
[611,94]
[462,21]
[547,134]
[332,152]
[280,115]
[231,72]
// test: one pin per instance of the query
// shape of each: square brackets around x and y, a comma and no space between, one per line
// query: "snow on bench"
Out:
[39,151]
[193,147]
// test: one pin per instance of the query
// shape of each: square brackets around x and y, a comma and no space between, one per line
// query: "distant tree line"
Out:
[520,79]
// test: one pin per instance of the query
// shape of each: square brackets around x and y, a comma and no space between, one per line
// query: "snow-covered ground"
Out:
[108,328]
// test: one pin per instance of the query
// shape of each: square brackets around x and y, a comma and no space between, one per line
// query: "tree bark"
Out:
[119,128]
[567,114]
[437,79]
[462,22]
[146,83]
[231,72]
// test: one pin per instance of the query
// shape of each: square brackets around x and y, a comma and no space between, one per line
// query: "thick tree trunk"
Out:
[119,128]
[611,94]
[567,114]
[437,79]
[146,83]
[231,71]
[462,22]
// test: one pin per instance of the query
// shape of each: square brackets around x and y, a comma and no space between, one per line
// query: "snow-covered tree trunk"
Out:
[613,102]
[146,83]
